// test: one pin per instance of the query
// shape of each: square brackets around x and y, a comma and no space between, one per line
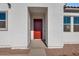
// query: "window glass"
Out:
[67,28]
[76,28]
[67,20]
[2,16]
[76,20]
[3,20]
[2,24]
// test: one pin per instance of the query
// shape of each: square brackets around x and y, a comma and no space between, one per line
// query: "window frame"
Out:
[71,24]
[6,21]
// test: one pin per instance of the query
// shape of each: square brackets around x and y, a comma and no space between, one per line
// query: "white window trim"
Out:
[72,27]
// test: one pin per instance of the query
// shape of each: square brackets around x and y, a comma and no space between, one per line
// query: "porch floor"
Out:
[37,48]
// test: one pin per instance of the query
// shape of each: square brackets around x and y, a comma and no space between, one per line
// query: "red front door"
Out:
[37,28]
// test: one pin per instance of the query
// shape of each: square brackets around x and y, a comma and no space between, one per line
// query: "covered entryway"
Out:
[38,23]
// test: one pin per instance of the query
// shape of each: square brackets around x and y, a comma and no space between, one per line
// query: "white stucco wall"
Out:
[18,26]
[16,36]
[46,27]
[29,28]
[55,24]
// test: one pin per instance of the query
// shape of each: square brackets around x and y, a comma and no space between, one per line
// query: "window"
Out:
[3,20]
[67,23]
[71,23]
[76,24]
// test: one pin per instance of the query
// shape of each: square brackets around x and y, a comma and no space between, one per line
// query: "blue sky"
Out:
[72,4]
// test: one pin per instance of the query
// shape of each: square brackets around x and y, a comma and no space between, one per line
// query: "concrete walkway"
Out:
[37,48]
